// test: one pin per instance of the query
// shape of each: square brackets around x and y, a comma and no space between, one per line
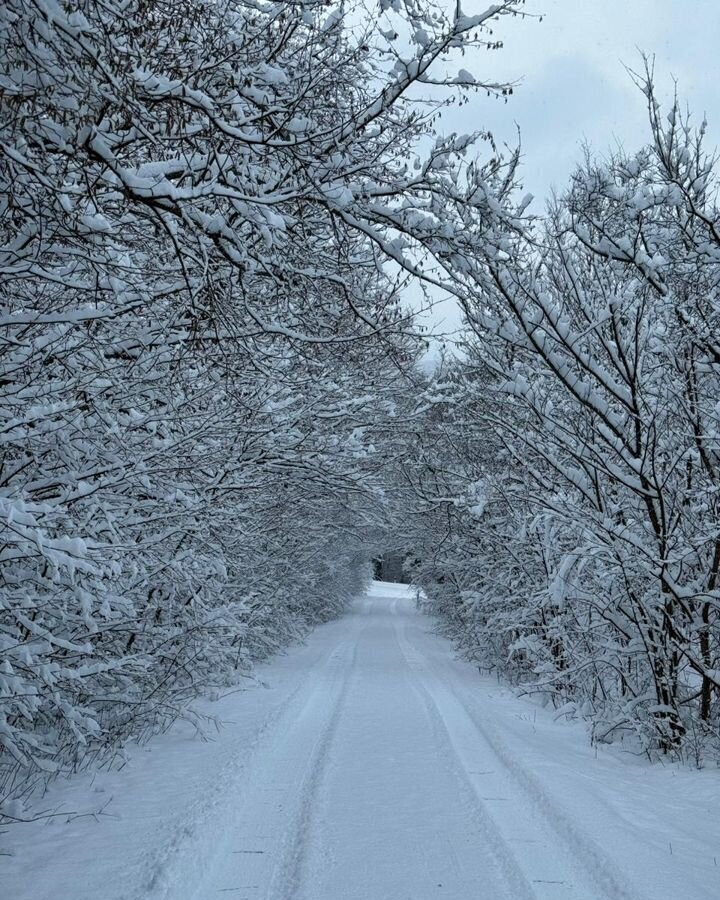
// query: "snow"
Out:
[371,763]
[465,77]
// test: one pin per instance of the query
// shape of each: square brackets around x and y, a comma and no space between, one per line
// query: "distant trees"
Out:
[201,342]
[570,473]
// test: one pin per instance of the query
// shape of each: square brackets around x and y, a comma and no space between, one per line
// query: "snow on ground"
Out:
[372,765]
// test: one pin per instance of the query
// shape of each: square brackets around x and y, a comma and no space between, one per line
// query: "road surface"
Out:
[378,781]
[372,764]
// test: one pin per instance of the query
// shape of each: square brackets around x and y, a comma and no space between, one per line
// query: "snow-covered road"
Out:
[375,766]
[379,783]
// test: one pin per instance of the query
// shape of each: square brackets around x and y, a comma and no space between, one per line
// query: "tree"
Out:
[589,570]
[200,208]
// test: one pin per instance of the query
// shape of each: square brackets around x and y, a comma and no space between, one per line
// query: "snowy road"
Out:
[378,767]
[379,783]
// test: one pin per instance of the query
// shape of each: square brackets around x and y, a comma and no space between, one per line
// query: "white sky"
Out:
[574,85]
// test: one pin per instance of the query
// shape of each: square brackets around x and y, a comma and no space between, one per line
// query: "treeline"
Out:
[569,478]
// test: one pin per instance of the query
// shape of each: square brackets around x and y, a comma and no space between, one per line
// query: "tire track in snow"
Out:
[261,855]
[518,886]
[181,865]
[582,849]
[582,855]
[288,881]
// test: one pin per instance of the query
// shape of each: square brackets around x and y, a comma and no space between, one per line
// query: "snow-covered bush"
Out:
[200,344]
[574,454]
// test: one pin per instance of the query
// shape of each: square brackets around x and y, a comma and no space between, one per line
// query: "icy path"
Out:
[376,767]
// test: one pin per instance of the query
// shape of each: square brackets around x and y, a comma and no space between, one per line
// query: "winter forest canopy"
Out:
[214,408]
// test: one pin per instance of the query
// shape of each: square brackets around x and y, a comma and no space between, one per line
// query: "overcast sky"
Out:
[573,82]
[574,86]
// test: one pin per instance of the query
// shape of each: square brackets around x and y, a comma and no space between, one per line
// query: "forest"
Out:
[216,406]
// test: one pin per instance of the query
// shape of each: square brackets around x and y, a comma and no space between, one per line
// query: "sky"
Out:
[573,81]
[574,86]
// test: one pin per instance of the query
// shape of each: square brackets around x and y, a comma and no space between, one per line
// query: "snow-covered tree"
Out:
[207,214]
[576,518]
